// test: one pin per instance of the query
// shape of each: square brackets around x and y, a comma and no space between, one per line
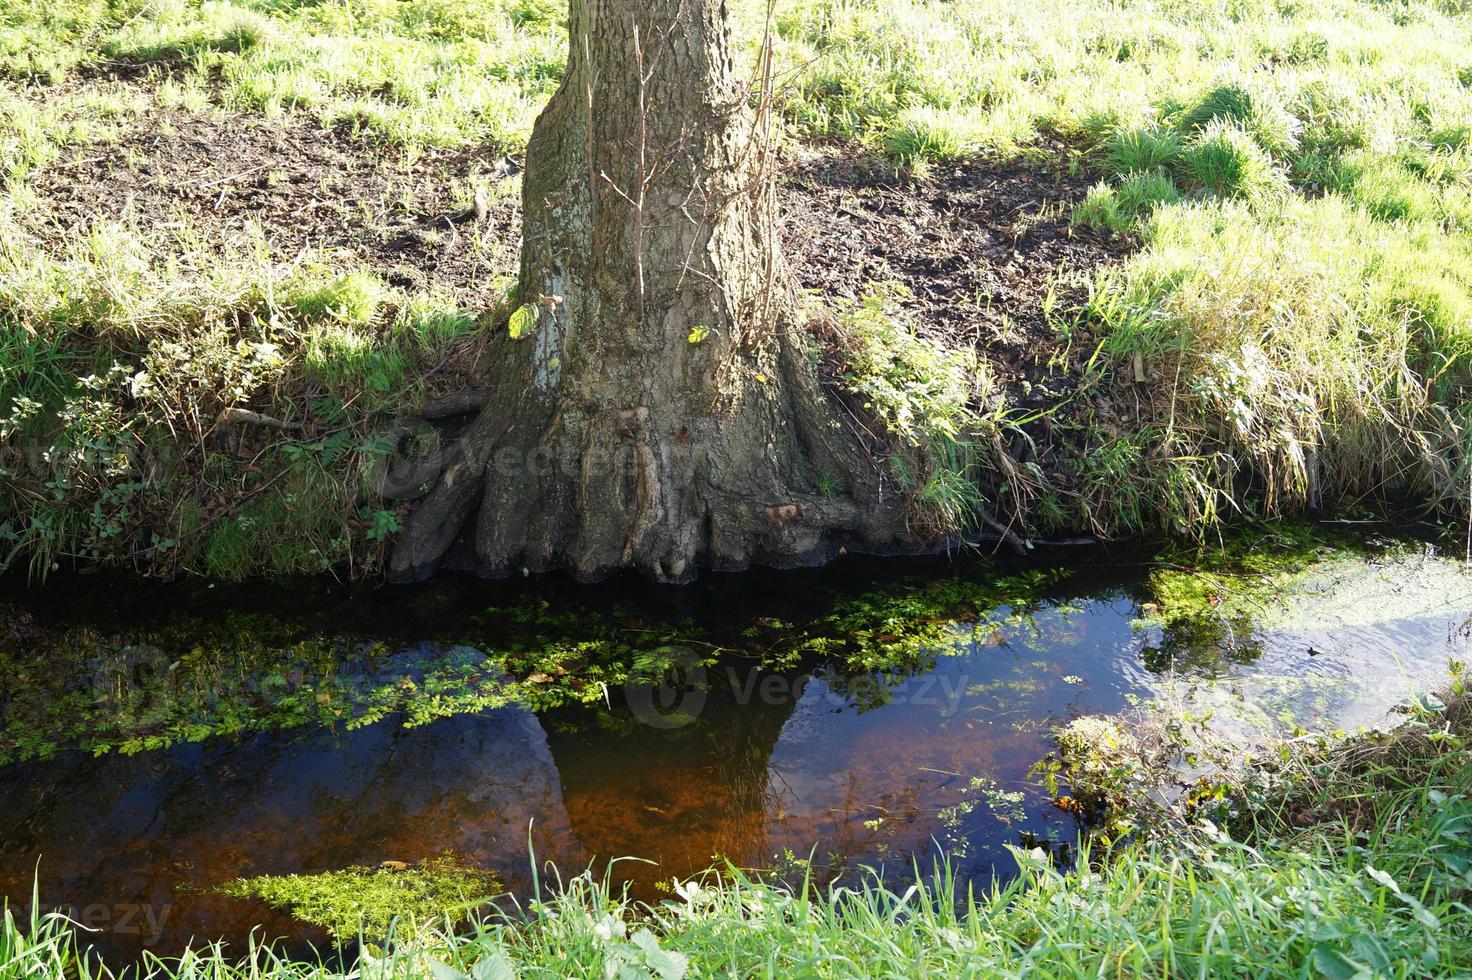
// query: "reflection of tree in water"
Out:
[677,797]
[130,830]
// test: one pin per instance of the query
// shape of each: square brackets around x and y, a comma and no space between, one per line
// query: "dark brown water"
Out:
[759,766]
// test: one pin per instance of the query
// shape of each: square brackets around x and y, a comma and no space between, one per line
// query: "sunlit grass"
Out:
[1304,348]
[434,71]
[1333,141]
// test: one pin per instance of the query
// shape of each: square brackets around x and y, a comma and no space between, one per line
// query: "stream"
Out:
[234,731]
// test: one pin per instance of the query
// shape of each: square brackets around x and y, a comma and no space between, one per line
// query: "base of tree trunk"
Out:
[769,479]
[655,406]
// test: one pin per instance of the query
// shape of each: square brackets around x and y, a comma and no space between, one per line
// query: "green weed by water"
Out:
[1239,579]
[939,406]
[916,388]
[375,903]
[905,627]
[122,350]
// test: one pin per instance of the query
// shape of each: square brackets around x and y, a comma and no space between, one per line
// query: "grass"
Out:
[1298,180]
[1301,353]
[442,72]
[122,349]
[1334,858]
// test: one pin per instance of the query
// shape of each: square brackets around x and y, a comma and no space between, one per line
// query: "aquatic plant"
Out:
[1207,608]
[394,900]
[194,678]
[905,626]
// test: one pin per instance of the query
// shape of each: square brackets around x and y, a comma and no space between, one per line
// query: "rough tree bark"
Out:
[663,411]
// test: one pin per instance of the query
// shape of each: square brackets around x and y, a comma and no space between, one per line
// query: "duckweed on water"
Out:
[901,627]
[195,678]
[374,902]
[1234,584]
[1213,607]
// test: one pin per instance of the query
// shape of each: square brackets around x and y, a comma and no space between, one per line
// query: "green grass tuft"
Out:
[1225,161]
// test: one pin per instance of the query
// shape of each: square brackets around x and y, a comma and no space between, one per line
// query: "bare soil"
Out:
[403,215]
[980,245]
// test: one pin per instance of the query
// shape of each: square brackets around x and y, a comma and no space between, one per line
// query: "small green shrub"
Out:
[917,388]
[1308,47]
[1229,102]
[1141,193]
[1100,209]
[1335,117]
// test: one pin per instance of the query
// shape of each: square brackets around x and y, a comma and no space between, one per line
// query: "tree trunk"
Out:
[660,409]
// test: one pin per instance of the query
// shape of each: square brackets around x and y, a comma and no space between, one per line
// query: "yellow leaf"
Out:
[522,321]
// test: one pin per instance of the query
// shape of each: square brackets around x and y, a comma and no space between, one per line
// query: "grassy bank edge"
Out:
[1291,335]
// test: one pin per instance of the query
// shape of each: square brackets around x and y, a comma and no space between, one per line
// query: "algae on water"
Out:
[1322,621]
[374,902]
[191,678]
[1303,580]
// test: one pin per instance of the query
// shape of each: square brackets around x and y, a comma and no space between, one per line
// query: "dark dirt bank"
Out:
[979,244]
[409,217]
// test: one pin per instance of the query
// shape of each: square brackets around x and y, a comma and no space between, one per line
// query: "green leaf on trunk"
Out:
[698,334]
[522,321]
